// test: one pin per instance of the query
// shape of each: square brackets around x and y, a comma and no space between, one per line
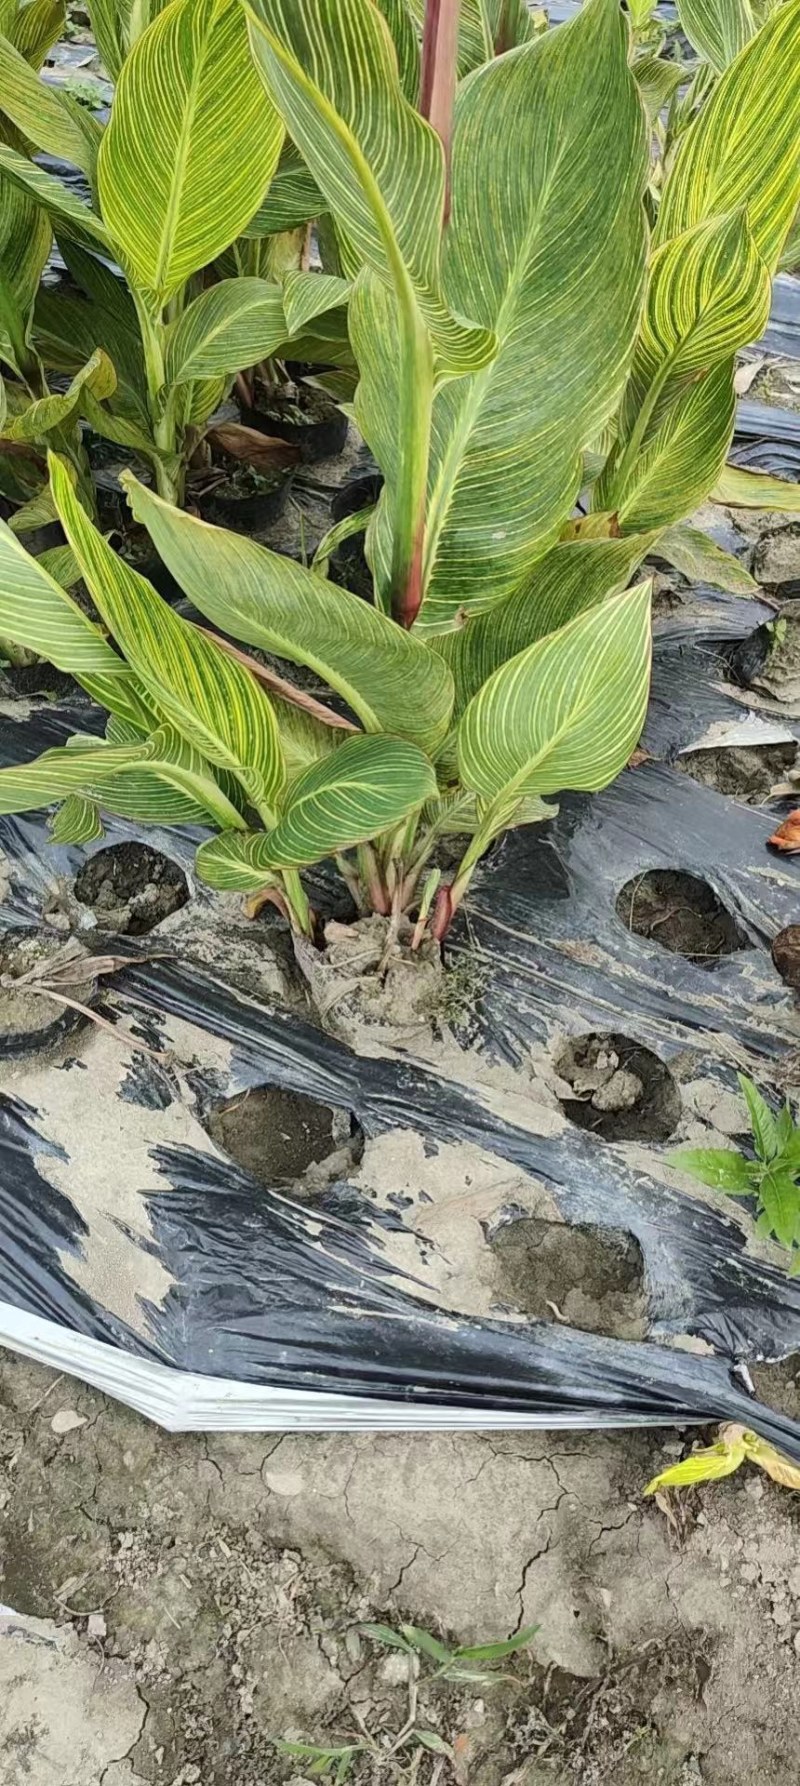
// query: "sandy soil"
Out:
[179,1603]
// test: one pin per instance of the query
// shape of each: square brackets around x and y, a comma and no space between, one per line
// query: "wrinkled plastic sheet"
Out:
[278,1314]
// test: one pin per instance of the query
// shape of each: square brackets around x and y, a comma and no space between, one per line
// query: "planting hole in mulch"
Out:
[618,1089]
[30,1021]
[591,1277]
[779,1385]
[747,772]
[131,888]
[681,913]
[281,1137]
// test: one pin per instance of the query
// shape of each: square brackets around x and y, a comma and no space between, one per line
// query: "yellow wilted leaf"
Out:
[773,1461]
[703,1466]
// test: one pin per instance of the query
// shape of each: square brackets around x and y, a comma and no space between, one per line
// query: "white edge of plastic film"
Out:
[185,1401]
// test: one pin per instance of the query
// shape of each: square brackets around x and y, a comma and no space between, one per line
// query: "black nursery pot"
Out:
[241,506]
[311,421]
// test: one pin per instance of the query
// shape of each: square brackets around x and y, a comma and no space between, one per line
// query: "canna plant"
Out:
[518,338]
[185,165]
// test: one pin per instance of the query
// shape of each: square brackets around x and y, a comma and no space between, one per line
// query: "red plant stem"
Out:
[438,76]
[443,913]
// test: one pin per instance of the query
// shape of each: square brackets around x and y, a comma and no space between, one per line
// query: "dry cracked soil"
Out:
[176,1605]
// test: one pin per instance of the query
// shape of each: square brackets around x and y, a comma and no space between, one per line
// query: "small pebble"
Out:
[96,1625]
[67,1421]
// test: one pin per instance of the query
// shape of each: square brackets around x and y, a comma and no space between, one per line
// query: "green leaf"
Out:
[786,1132]
[234,324]
[709,294]
[36,27]
[389,678]
[210,699]
[97,378]
[367,786]
[709,1465]
[76,821]
[331,69]
[717,29]
[59,202]
[755,490]
[743,149]
[566,712]
[780,1201]
[40,113]
[308,295]
[657,80]
[558,280]
[293,198]
[404,37]
[571,578]
[429,1646]
[430,1739]
[494,1652]
[25,241]
[762,1121]
[61,564]
[721,1168]
[385,1634]
[191,145]
[699,558]
[151,782]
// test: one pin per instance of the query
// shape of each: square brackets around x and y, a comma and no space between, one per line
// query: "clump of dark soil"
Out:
[39,678]
[29,1020]
[282,1138]
[747,772]
[786,955]
[681,913]
[591,1277]
[769,659]
[779,1385]
[618,1089]
[131,888]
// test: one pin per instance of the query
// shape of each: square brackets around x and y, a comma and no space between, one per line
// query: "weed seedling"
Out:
[772,1177]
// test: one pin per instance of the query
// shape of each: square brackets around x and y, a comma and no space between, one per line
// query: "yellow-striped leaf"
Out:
[191,145]
[40,112]
[117,25]
[558,278]
[570,579]
[400,20]
[153,781]
[33,29]
[331,69]
[292,198]
[709,294]
[58,201]
[25,242]
[308,295]
[743,149]
[367,786]
[76,821]
[755,490]
[565,713]
[97,377]
[699,558]
[35,611]
[210,699]
[233,324]
[389,678]
[717,29]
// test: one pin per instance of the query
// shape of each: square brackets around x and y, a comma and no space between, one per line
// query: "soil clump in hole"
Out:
[778,1385]
[283,1138]
[747,772]
[618,1089]
[131,888]
[590,1277]
[28,1019]
[681,913]
[366,976]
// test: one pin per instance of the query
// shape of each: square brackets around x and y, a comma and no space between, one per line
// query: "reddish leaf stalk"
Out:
[438,75]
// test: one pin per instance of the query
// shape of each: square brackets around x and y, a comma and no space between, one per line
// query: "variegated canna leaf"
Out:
[97,377]
[331,69]
[58,201]
[309,295]
[153,782]
[699,558]
[292,198]
[552,260]
[682,458]
[389,678]
[565,713]
[76,821]
[210,699]
[570,579]
[368,786]
[717,29]
[41,114]
[755,490]
[117,26]
[33,29]
[743,149]
[234,324]
[25,242]
[399,16]
[191,146]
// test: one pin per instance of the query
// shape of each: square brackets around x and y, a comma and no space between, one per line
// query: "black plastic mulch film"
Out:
[264,1291]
